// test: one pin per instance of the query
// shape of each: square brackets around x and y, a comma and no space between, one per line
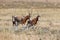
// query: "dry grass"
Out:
[48,27]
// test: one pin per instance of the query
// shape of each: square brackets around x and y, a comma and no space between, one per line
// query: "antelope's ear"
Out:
[39,16]
[12,16]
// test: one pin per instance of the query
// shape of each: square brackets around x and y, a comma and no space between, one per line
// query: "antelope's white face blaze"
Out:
[13,18]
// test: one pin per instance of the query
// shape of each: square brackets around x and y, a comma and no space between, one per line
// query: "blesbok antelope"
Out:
[16,21]
[32,22]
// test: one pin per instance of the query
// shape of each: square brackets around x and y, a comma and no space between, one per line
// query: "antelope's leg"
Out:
[16,25]
[25,27]
[32,27]
[29,25]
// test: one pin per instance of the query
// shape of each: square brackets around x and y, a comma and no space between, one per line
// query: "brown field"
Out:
[47,28]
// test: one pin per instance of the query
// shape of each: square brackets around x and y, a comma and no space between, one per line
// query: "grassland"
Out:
[47,28]
[23,4]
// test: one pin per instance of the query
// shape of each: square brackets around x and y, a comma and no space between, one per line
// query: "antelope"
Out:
[32,22]
[16,21]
